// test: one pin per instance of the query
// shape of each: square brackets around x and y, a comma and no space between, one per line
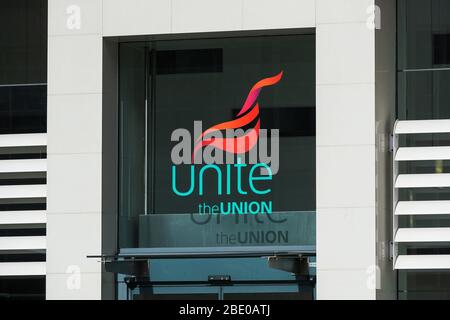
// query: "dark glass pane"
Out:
[441,48]
[441,33]
[23,41]
[424,26]
[22,206]
[23,109]
[424,166]
[23,257]
[22,232]
[424,95]
[247,278]
[269,296]
[189,61]
[424,285]
[23,181]
[428,221]
[149,295]
[291,121]
[22,288]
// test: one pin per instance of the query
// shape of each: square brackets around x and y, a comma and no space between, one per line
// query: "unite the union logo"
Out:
[238,145]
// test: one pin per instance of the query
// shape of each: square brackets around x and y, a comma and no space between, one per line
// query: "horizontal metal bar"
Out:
[308,280]
[23,243]
[23,84]
[210,252]
[23,191]
[423,262]
[23,140]
[22,268]
[422,126]
[432,207]
[23,165]
[425,69]
[422,153]
[423,180]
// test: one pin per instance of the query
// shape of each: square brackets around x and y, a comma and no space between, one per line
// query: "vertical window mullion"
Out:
[150,128]
[147,81]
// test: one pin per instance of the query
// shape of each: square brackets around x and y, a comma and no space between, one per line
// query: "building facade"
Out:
[338,190]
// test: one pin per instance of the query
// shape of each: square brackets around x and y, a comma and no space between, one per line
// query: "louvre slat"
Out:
[422,207]
[422,126]
[423,262]
[22,217]
[22,268]
[429,181]
[422,153]
[22,243]
[23,140]
[422,235]
[23,191]
[432,180]
[23,165]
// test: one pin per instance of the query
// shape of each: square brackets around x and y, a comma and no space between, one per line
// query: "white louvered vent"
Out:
[437,236]
[23,191]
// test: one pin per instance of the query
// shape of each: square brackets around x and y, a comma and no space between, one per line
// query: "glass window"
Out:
[23,288]
[424,30]
[23,109]
[23,66]
[424,59]
[423,285]
[168,85]
[424,93]
[23,40]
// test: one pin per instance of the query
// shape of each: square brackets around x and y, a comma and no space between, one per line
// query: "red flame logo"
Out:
[248,113]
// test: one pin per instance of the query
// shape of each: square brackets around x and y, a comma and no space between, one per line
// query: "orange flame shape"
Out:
[246,142]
